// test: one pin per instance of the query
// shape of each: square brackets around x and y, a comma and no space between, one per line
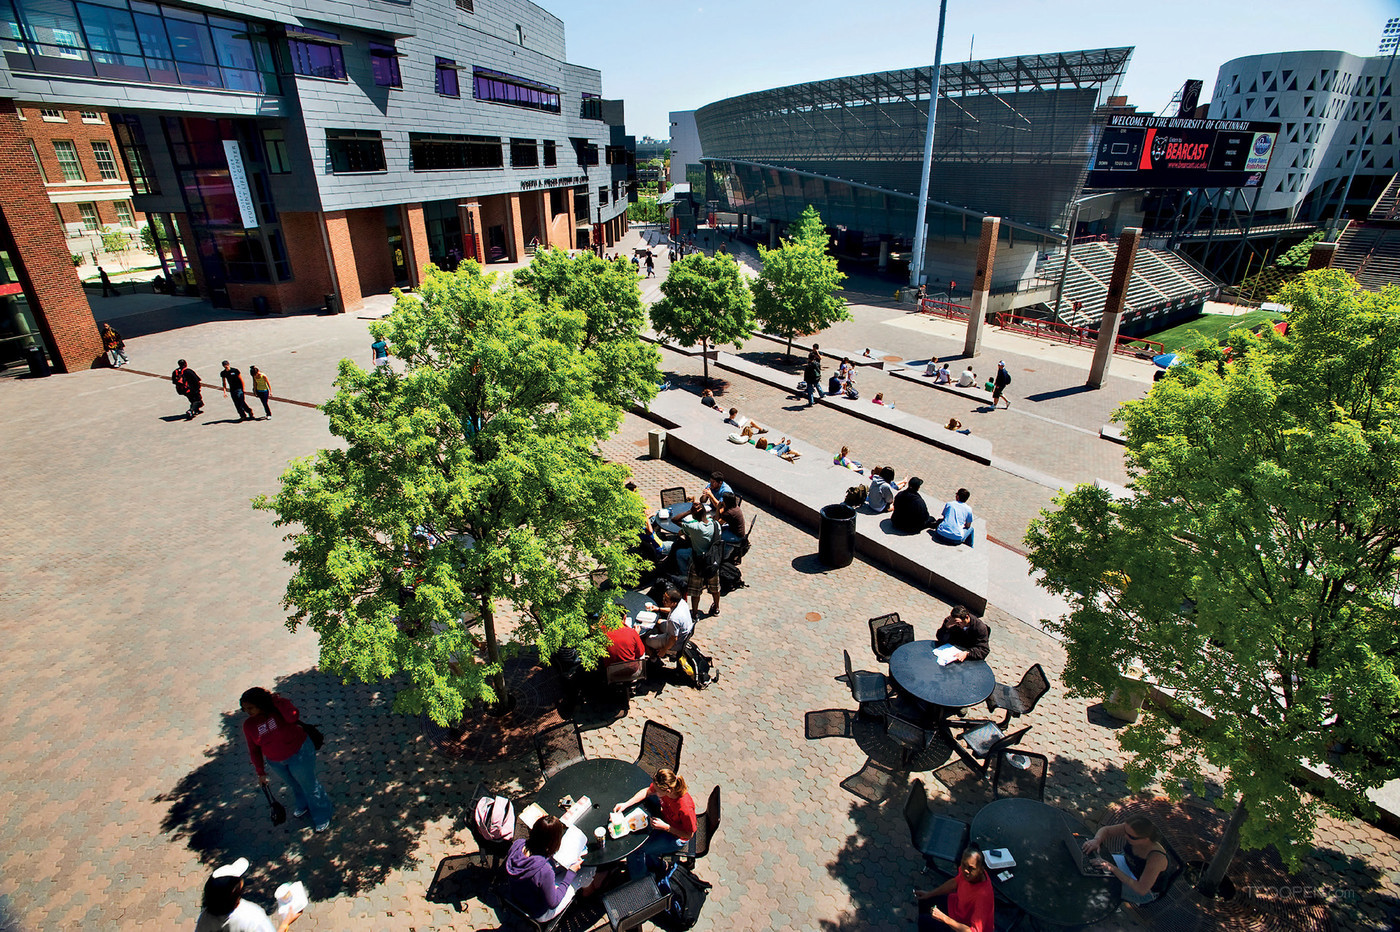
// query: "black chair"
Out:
[661,747]
[546,925]
[706,825]
[633,903]
[622,677]
[987,742]
[674,496]
[869,689]
[889,643]
[1175,866]
[1019,699]
[495,851]
[938,838]
[912,737]
[559,746]
[1020,773]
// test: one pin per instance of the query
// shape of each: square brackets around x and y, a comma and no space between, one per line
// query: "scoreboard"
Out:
[1144,151]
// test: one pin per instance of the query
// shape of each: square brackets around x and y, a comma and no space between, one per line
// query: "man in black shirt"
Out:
[910,510]
[968,633]
[233,382]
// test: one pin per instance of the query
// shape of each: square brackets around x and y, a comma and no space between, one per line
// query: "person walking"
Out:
[277,739]
[1003,379]
[262,387]
[186,382]
[380,352]
[233,382]
[108,289]
[116,347]
[651,265]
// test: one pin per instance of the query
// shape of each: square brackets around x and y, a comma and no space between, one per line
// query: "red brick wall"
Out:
[369,238]
[82,135]
[311,277]
[56,297]
[343,255]
[416,238]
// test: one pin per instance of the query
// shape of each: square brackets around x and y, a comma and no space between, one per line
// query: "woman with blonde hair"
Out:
[671,829]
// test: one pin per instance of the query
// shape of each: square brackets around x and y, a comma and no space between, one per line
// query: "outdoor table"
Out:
[668,526]
[916,670]
[632,602]
[606,782]
[1045,882]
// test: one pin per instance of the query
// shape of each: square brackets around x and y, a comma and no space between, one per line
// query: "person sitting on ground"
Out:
[944,377]
[879,399]
[966,902]
[783,448]
[1142,864]
[882,489]
[968,377]
[841,378]
[965,631]
[538,884]
[707,398]
[956,425]
[713,494]
[844,459]
[910,510]
[731,519]
[674,621]
[932,367]
[955,527]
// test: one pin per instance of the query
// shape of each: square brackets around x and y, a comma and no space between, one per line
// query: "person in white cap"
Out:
[999,384]
[225,910]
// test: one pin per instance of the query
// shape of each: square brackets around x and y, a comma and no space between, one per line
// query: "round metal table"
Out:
[1045,881]
[954,686]
[606,782]
[669,527]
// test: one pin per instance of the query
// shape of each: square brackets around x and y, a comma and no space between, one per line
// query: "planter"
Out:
[1125,701]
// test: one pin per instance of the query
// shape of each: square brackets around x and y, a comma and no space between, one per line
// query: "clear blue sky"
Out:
[664,55]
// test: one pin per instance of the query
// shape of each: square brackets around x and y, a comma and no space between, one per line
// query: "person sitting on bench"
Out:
[955,527]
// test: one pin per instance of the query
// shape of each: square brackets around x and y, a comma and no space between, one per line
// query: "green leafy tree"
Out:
[1297,257]
[646,210]
[116,243]
[1252,571]
[152,233]
[796,290]
[467,480]
[705,300]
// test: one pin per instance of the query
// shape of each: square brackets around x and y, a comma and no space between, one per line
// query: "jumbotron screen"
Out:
[1144,151]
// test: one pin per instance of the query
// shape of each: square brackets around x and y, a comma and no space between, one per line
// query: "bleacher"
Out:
[1387,206]
[1160,279]
[1370,251]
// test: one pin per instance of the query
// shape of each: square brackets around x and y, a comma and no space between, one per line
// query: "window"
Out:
[519,35]
[275,146]
[591,108]
[58,212]
[524,153]
[586,151]
[106,162]
[90,116]
[499,88]
[53,116]
[131,140]
[316,53]
[384,62]
[602,196]
[355,150]
[437,152]
[549,157]
[89,214]
[68,160]
[124,215]
[616,155]
[34,150]
[445,78]
[466,6]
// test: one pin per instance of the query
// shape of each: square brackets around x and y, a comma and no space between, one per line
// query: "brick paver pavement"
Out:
[142,596]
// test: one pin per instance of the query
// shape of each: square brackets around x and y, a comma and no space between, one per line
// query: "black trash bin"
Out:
[329,303]
[836,544]
[260,305]
[38,362]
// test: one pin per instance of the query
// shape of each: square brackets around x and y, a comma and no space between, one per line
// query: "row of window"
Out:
[58,116]
[360,150]
[66,151]
[87,211]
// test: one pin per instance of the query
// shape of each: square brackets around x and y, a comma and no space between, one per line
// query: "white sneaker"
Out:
[322,826]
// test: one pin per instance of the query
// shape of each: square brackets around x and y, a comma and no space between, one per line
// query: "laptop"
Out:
[1084,862]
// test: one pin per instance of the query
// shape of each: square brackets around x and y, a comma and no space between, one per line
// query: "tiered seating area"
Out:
[1387,206]
[1160,278]
[1370,251]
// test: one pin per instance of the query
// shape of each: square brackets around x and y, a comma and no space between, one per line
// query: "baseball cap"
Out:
[236,869]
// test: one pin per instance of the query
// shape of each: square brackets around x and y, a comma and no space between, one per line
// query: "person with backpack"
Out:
[705,553]
[116,347]
[668,832]
[812,376]
[186,382]
[537,883]
[277,739]
[1003,379]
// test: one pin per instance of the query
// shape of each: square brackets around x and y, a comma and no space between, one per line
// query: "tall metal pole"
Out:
[916,268]
[1361,138]
[1064,266]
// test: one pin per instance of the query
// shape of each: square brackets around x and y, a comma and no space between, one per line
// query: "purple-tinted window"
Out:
[313,58]
[500,88]
[445,79]
[384,60]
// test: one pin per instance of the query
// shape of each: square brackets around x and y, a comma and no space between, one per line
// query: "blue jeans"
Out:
[299,772]
[814,391]
[657,843]
[947,538]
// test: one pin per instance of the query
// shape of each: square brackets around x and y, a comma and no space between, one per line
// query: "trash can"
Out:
[38,362]
[260,305]
[329,303]
[836,542]
[656,443]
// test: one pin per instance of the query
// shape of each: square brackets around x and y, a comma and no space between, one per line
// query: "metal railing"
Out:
[1078,336]
[944,308]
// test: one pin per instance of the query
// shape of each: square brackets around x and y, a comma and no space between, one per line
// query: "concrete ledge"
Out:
[801,349]
[1114,433]
[915,373]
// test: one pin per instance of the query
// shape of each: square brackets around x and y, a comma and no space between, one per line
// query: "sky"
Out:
[662,56]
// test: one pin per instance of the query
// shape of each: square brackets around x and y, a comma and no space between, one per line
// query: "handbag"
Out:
[275,809]
[314,733]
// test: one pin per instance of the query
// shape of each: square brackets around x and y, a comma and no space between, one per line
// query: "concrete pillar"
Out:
[515,230]
[772,234]
[1320,256]
[981,284]
[347,276]
[547,221]
[1113,306]
[572,225]
[415,239]
[469,215]
[884,262]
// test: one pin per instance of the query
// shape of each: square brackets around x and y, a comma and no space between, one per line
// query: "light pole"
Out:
[916,268]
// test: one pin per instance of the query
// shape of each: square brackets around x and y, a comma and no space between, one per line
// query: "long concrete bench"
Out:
[802,345]
[800,490]
[915,373]
[978,449]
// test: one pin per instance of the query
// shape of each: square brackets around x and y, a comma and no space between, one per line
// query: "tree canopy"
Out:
[705,300]
[468,477]
[1252,571]
[795,294]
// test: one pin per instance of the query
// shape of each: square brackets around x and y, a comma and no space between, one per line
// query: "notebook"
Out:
[946,654]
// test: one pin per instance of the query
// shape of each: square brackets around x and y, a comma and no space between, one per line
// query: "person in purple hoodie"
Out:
[535,882]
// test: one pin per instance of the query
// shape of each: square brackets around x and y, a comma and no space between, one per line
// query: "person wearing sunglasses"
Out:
[1142,864]
[965,903]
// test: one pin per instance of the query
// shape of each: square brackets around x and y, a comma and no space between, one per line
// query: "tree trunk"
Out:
[1224,852]
[493,648]
[705,357]
[789,349]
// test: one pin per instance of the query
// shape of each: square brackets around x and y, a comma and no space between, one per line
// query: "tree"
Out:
[1252,571]
[115,242]
[705,300]
[465,481]
[152,233]
[796,290]
[1297,257]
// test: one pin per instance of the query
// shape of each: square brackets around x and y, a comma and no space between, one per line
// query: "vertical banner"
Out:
[239,178]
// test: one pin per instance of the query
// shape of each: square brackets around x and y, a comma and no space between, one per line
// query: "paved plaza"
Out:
[142,596]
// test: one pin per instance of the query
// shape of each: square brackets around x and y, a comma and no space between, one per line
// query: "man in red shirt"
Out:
[624,643]
[970,902]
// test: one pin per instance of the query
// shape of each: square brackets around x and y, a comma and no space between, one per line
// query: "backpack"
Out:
[855,495]
[688,894]
[730,578]
[697,666]
[495,818]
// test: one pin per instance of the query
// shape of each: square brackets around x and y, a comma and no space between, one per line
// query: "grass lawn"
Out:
[1214,326]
